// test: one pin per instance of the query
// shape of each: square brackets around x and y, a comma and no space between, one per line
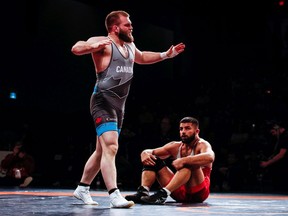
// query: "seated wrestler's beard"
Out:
[188,140]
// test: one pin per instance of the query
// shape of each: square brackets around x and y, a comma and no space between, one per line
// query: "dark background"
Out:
[232,76]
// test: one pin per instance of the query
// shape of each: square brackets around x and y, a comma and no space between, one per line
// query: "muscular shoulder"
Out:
[203,146]
[96,39]
[167,150]
[173,147]
[173,144]
[203,141]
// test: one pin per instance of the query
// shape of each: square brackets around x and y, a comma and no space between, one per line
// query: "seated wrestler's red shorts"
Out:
[195,194]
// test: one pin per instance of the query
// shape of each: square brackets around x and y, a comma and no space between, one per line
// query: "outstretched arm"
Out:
[93,44]
[148,57]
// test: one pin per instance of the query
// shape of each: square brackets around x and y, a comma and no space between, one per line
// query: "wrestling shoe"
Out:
[136,198]
[157,198]
[82,193]
[118,201]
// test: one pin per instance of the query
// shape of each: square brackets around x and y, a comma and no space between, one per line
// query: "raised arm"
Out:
[148,57]
[93,44]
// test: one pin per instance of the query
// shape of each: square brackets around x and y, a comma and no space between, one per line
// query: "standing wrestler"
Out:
[192,157]
[113,56]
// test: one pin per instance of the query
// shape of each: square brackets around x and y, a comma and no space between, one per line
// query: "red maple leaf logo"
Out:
[98,120]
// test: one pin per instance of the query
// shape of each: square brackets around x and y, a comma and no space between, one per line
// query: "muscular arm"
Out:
[148,156]
[148,57]
[204,157]
[93,44]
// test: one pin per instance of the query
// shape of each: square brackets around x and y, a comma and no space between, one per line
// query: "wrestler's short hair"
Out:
[113,18]
[189,119]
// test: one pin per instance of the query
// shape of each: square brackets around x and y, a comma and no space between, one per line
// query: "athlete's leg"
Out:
[163,176]
[148,177]
[109,145]
[91,169]
[171,182]
[92,165]
[189,176]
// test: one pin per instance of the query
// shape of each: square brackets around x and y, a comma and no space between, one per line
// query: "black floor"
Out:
[60,202]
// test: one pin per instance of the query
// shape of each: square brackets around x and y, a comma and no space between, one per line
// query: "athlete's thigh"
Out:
[197,177]
[108,138]
[105,120]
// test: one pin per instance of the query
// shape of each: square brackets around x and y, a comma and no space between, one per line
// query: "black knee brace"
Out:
[158,166]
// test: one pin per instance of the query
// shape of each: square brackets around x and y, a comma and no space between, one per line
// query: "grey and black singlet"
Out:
[107,103]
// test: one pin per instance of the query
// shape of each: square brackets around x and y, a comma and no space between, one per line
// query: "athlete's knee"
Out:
[113,148]
[158,166]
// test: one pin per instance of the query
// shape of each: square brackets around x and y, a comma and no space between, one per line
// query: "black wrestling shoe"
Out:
[136,198]
[157,198]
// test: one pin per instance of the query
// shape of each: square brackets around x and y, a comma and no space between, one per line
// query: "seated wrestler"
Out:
[192,157]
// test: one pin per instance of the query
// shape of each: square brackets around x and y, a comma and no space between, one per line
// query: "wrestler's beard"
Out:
[188,140]
[125,37]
